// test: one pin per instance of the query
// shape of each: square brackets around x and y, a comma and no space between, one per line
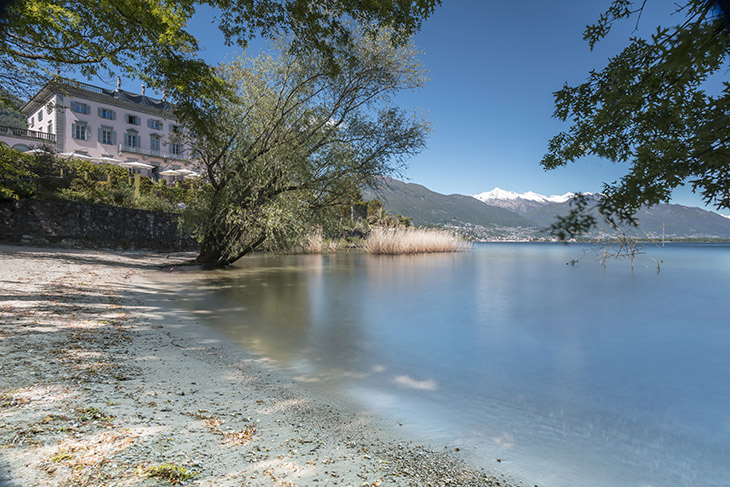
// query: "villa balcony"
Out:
[27,134]
[124,148]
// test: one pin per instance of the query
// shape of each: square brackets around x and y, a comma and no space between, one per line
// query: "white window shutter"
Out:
[114,115]
[114,137]
[88,133]
[100,137]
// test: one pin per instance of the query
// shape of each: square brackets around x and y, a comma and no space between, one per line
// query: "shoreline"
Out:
[102,378]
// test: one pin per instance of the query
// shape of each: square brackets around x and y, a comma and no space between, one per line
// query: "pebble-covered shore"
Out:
[100,384]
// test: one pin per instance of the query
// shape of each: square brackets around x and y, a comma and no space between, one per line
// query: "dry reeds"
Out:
[316,243]
[412,241]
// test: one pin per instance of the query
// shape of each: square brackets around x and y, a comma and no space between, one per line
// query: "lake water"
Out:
[571,375]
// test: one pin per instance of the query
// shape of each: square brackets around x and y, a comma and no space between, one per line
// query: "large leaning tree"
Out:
[301,133]
[655,107]
[149,40]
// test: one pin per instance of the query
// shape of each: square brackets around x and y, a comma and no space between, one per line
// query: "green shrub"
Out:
[16,176]
[49,177]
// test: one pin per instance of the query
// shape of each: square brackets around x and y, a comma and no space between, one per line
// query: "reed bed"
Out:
[412,241]
[314,243]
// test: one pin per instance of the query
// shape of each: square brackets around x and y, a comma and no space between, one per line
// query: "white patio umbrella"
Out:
[75,155]
[106,159]
[188,173]
[171,172]
[37,150]
[139,165]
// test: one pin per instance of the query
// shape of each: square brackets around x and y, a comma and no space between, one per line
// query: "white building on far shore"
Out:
[116,126]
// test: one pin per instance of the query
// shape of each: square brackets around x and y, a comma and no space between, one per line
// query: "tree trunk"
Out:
[215,250]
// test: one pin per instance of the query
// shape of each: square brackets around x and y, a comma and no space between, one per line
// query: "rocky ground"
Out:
[100,384]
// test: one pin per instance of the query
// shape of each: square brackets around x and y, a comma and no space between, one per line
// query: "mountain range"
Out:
[501,214]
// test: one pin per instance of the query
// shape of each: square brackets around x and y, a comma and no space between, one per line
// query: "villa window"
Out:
[80,108]
[155,143]
[131,139]
[80,131]
[107,113]
[49,108]
[107,136]
[176,149]
[40,116]
[154,124]
[175,129]
[133,119]
[50,128]
[32,122]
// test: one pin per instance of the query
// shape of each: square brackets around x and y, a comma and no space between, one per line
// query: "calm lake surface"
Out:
[572,375]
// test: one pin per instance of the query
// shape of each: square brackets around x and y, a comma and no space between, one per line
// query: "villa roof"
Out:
[117,97]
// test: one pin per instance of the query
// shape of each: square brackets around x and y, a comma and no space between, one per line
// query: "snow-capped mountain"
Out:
[500,214]
[519,202]
[498,194]
[675,221]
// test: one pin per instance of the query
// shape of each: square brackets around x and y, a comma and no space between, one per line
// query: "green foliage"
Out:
[16,176]
[577,221]
[148,39]
[46,177]
[651,108]
[143,38]
[10,114]
[98,184]
[290,149]
[378,216]
[175,474]
[61,456]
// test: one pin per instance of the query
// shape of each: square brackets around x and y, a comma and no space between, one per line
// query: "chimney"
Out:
[143,89]
[119,83]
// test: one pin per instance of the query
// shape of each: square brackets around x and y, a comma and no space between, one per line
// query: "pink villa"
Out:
[78,120]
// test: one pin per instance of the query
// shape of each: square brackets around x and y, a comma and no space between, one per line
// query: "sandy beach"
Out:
[102,382]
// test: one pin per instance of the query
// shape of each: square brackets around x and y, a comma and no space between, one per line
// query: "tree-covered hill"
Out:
[531,218]
[430,208]
[11,115]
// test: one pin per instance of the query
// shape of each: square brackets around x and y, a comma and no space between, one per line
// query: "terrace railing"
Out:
[27,134]
[78,84]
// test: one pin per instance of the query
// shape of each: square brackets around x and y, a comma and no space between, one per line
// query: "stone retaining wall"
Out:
[79,225]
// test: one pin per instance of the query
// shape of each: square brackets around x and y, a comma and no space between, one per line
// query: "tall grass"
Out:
[412,241]
[313,242]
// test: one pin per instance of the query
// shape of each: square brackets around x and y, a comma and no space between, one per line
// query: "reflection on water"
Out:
[571,375]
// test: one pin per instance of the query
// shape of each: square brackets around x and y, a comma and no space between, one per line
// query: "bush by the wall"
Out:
[45,176]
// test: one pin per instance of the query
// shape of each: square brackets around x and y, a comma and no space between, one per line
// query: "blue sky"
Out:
[493,67]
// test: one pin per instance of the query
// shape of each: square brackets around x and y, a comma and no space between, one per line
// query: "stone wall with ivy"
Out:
[81,225]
